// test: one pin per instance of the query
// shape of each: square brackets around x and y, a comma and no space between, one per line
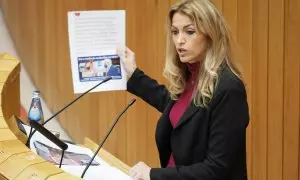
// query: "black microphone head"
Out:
[48,135]
[132,102]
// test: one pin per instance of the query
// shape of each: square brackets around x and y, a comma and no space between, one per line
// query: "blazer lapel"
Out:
[190,111]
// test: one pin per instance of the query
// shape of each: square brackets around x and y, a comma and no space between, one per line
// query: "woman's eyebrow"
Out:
[186,26]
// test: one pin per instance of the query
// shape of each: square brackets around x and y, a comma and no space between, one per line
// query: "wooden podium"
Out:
[16,160]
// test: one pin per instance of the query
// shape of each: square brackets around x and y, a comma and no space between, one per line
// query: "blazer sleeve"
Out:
[227,137]
[149,90]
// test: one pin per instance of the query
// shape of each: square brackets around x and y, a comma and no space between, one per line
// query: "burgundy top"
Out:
[183,102]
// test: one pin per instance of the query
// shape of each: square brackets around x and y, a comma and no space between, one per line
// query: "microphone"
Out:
[37,126]
[51,137]
[65,107]
[108,133]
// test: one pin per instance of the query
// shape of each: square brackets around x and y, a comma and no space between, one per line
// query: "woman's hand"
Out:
[128,61]
[140,171]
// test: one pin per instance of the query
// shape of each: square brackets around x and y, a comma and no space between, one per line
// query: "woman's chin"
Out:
[187,60]
[184,59]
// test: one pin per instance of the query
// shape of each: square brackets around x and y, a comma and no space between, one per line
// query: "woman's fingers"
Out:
[129,50]
[128,60]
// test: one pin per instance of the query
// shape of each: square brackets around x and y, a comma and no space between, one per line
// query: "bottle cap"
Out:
[36,94]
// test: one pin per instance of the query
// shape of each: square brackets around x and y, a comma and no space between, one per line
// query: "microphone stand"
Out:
[101,144]
[65,107]
[62,157]
[63,146]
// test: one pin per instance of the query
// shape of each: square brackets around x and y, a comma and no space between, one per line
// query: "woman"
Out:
[201,134]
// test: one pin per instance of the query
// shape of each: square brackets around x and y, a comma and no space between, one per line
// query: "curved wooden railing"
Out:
[16,160]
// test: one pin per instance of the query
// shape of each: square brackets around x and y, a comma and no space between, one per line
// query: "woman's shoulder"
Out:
[229,86]
[229,82]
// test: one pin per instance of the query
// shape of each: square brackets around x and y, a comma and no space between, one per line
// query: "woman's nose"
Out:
[180,39]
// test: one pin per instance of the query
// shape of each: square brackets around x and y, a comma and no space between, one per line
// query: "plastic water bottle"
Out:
[35,112]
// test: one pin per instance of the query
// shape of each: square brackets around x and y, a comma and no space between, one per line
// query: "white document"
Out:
[94,37]
[104,171]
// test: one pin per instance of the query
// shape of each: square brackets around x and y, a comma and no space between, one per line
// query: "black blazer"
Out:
[207,143]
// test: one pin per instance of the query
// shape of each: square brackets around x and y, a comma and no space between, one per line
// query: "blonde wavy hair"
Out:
[219,50]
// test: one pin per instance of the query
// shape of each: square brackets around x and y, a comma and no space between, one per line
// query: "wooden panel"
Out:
[11,14]
[137,129]
[244,39]
[11,169]
[11,94]
[3,76]
[9,148]
[121,132]
[230,10]
[65,86]
[63,176]
[1,87]
[156,28]
[267,32]
[8,64]
[113,108]
[26,35]
[3,124]
[291,91]
[6,134]
[42,170]
[218,4]
[260,72]
[275,90]
[50,57]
